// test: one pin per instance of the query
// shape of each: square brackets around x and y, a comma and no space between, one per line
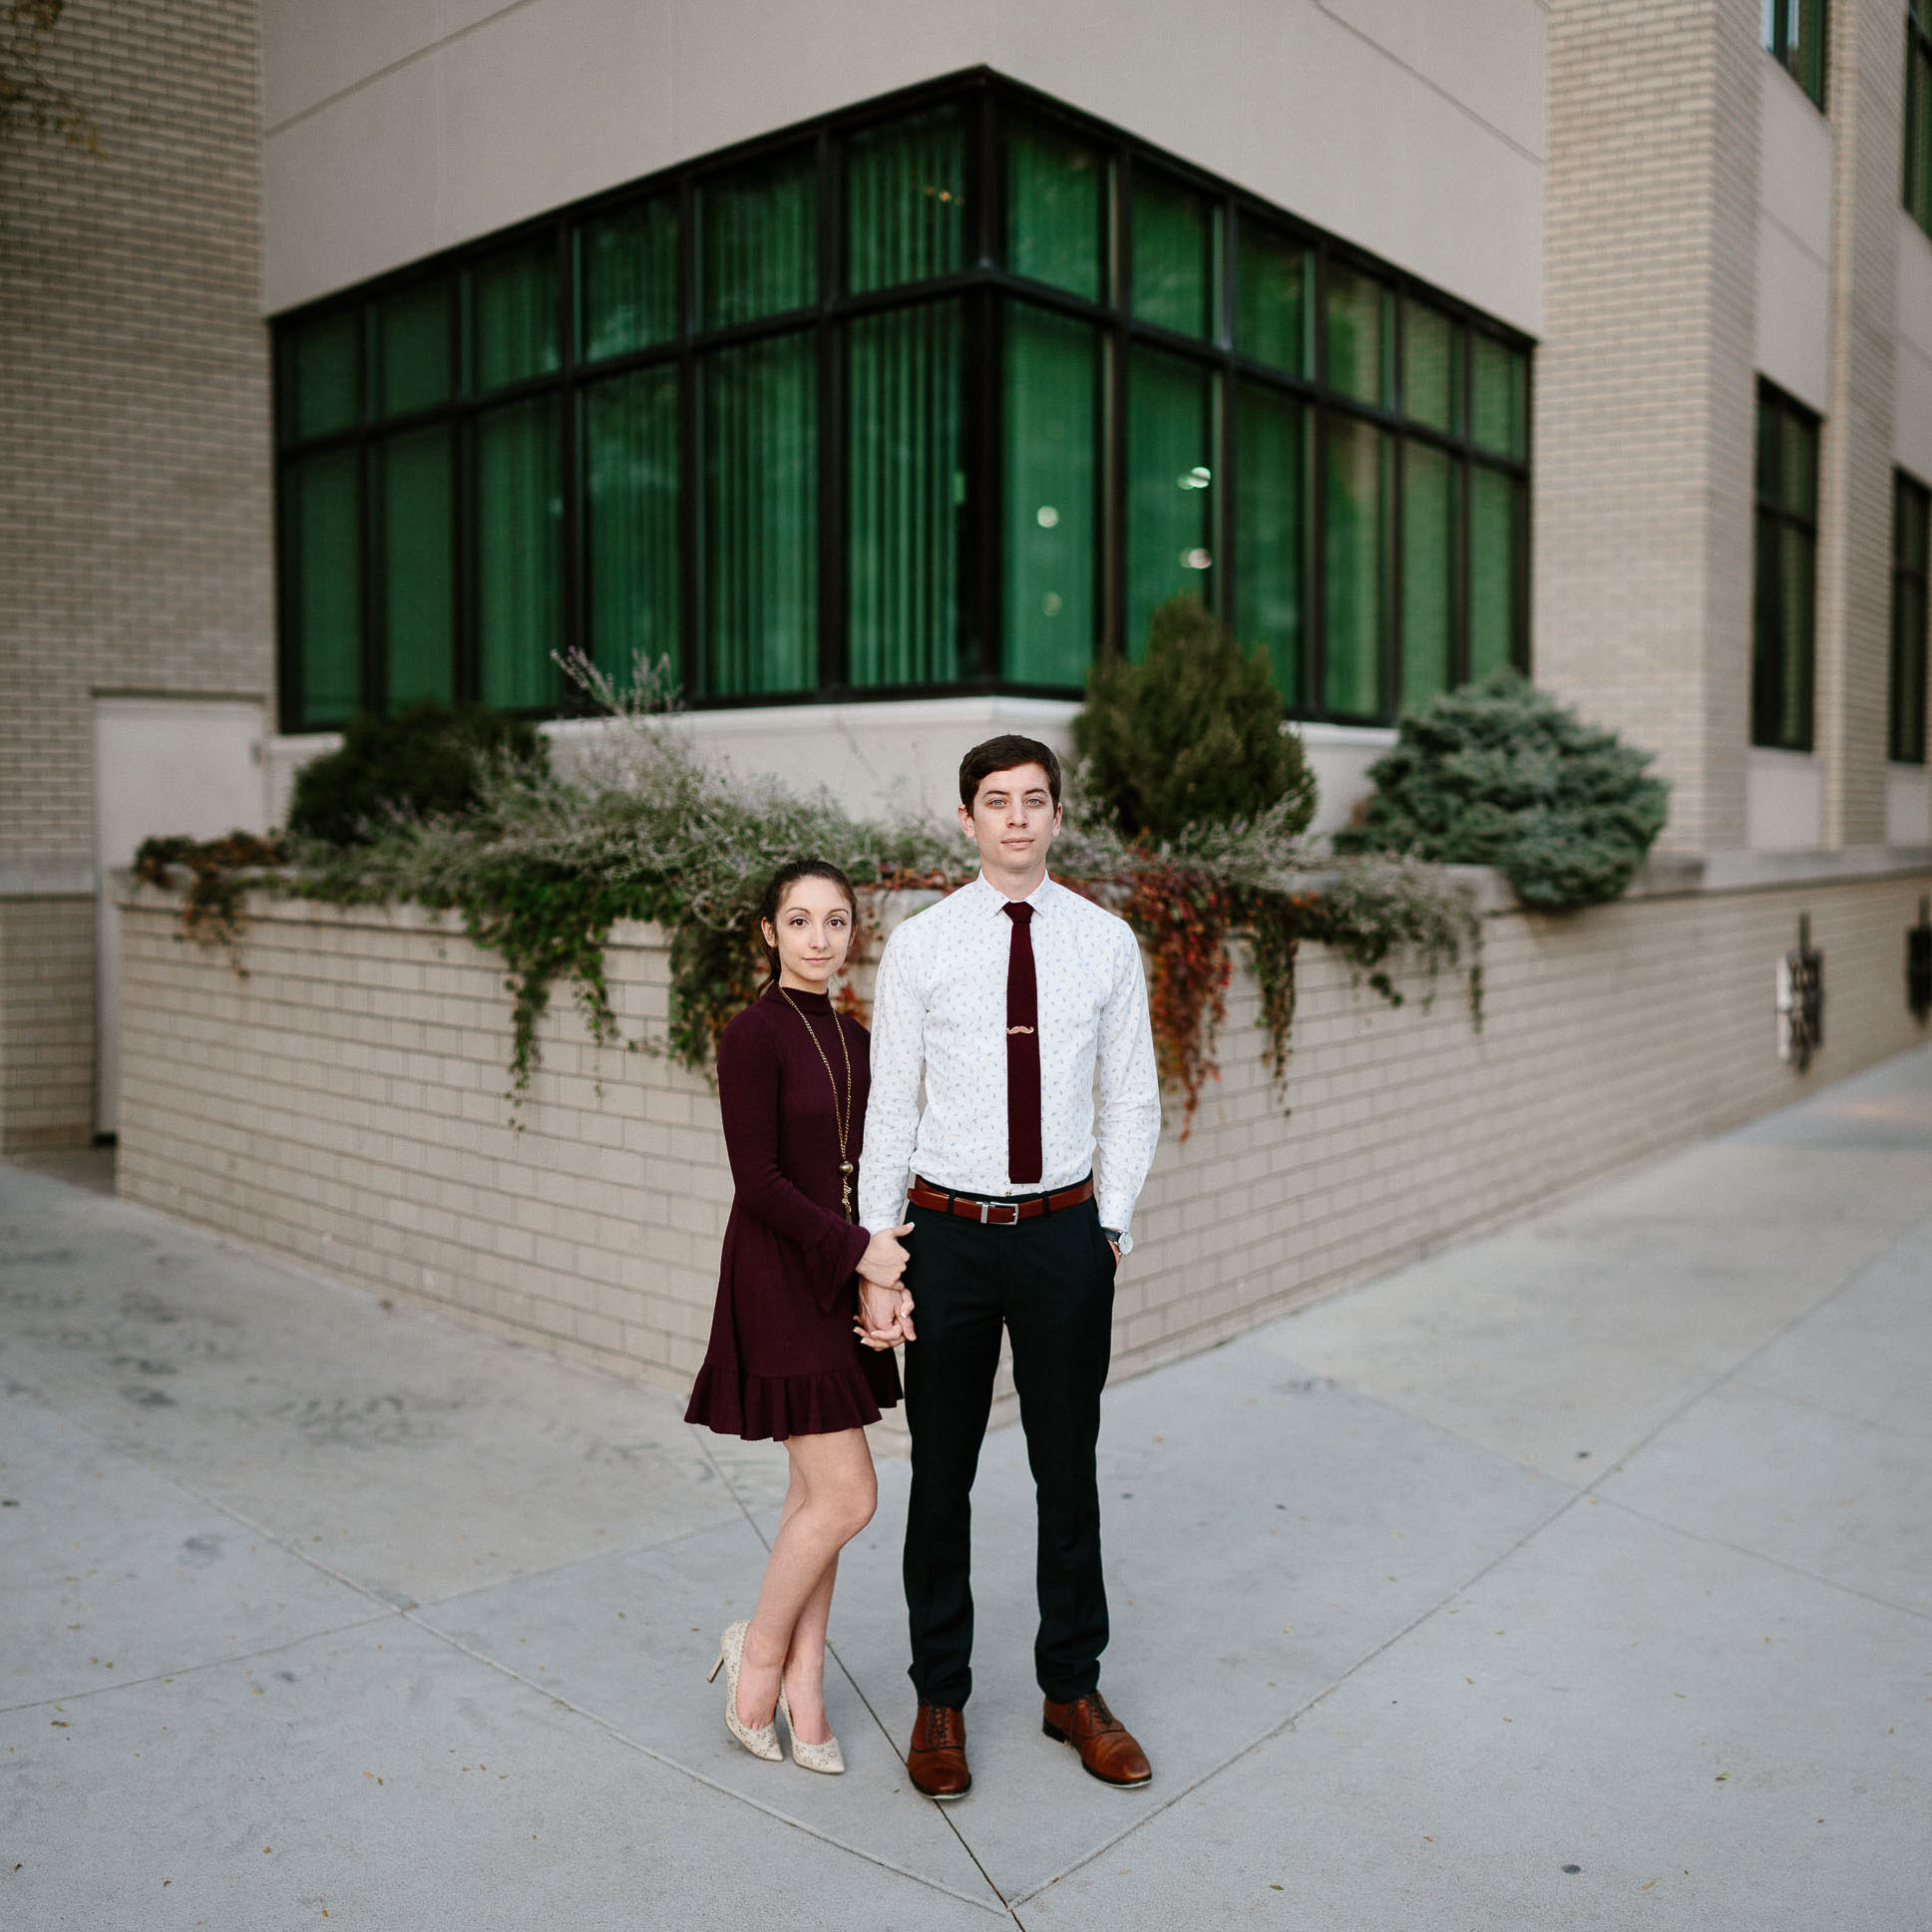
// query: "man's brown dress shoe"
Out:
[938,1760]
[1106,1744]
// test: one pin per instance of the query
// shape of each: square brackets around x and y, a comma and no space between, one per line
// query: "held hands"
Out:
[884,1309]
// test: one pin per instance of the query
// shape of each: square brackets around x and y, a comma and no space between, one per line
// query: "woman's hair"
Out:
[782,881]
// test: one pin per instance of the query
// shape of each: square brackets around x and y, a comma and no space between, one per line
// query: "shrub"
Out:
[1498,774]
[426,762]
[1191,734]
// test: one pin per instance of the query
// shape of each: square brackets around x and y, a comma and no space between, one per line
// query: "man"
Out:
[1023,1007]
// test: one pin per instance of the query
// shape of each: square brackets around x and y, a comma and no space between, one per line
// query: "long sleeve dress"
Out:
[783,1359]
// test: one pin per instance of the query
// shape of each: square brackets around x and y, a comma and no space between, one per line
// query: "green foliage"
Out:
[1498,774]
[1191,734]
[220,872]
[426,762]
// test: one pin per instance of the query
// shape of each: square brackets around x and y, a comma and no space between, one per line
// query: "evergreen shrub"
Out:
[426,762]
[1499,774]
[1191,734]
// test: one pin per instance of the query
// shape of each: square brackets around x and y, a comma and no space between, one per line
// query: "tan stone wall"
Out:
[45,1022]
[343,1105]
[1643,392]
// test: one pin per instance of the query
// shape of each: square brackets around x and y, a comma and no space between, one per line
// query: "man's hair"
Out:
[1003,754]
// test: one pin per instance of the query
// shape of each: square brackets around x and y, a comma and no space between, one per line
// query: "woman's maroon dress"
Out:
[783,1358]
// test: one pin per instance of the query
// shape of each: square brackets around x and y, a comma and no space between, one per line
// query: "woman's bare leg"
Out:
[832,1495]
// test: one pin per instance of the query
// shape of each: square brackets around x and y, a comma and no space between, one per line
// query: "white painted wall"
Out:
[161,765]
[1794,320]
[393,128]
[1908,805]
[1783,801]
[1912,431]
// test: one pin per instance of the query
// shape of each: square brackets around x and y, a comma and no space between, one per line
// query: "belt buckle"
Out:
[988,1209]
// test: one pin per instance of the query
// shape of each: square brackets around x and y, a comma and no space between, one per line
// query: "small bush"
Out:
[1191,734]
[1498,774]
[426,762]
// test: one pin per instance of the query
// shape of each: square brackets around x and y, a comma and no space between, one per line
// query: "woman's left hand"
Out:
[884,1315]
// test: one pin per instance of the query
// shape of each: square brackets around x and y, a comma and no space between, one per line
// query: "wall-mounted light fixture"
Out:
[1800,999]
[1918,964]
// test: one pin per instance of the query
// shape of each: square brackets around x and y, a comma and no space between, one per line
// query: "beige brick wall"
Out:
[134,416]
[45,1022]
[1865,82]
[343,1104]
[1644,413]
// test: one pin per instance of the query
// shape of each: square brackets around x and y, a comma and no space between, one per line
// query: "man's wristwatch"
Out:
[1120,1238]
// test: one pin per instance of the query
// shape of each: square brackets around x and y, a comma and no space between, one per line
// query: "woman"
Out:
[794,1355]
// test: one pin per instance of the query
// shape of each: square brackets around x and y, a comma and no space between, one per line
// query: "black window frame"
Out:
[984,285]
[1771,507]
[1907,699]
[1917,167]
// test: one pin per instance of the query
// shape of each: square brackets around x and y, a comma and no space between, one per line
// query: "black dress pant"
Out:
[1051,1281]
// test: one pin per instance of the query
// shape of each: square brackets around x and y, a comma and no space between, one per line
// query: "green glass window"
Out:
[1170,485]
[319,365]
[513,305]
[759,540]
[757,238]
[321,512]
[1496,537]
[518,526]
[1498,389]
[413,349]
[630,521]
[906,441]
[1793,33]
[905,200]
[1783,605]
[417,484]
[1173,255]
[1052,531]
[1359,334]
[1353,554]
[1269,479]
[1430,539]
[627,278]
[1918,113]
[1432,368]
[1055,208]
[1911,555]
[1270,299]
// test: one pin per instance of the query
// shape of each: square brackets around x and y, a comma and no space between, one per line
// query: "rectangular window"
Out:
[518,569]
[1918,113]
[1057,206]
[627,265]
[758,434]
[319,367]
[1170,485]
[1793,33]
[321,515]
[1498,397]
[1271,298]
[906,202]
[513,300]
[1354,567]
[757,240]
[417,480]
[1360,335]
[907,492]
[1431,540]
[1496,543]
[1911,553]
[1173,255]
[1432,369]
[1271,524]
[1049,417]
[631,522]
[413,349]
[1784,594]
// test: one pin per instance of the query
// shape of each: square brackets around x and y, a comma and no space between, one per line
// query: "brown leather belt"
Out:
[996,1214]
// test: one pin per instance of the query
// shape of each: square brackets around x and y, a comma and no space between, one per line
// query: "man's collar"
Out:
[1040,898]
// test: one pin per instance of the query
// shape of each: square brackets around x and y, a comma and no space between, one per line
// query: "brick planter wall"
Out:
[343,1105]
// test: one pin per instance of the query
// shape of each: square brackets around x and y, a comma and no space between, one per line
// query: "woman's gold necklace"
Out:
[844,1125]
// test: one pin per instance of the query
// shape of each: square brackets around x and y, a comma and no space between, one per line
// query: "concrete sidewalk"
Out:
[1579,1576]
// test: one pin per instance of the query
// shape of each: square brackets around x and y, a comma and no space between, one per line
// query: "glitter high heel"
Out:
[763,1741]
[825,1758]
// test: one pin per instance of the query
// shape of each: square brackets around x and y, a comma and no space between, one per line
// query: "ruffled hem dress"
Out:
[783,1359]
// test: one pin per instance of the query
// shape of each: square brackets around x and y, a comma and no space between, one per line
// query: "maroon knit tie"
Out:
[1023,1158]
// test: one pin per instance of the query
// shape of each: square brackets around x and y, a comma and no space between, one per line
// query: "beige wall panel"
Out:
[1912,435]
[1793,327]
[1419,143]
[1793,161]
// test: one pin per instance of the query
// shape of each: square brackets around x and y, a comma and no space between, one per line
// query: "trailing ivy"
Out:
[545,862]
